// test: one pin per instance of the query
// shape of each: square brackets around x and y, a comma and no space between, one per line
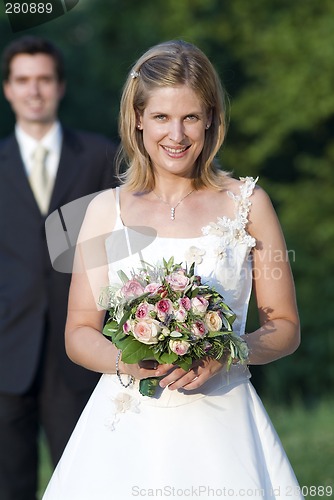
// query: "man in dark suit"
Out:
[39,386]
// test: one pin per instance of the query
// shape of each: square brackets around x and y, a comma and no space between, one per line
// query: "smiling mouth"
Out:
[175,151]
[35,104]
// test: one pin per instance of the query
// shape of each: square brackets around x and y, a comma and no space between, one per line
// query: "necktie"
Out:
[40,181]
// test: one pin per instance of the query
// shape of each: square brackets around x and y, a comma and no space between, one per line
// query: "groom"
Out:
[43,165]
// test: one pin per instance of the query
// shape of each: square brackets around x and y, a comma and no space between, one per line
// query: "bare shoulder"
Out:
[260,202]
[103,200]
[101,214]
[257,195]
[262,215]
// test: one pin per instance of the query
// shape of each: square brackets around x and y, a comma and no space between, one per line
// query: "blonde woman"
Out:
[205,432]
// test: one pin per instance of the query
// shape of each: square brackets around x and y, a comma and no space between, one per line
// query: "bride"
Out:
[205,432]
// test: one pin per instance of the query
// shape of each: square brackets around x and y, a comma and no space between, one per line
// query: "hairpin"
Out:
[134,74]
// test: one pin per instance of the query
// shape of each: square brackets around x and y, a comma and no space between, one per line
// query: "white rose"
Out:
[213,321]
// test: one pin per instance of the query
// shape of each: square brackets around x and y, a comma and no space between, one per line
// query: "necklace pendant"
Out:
[172,213]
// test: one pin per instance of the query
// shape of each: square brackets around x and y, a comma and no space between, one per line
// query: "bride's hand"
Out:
[200,371]
[144,369]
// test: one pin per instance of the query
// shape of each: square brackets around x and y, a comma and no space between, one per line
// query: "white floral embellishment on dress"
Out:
[122,403]
[233,231]
[194,255]
[220,252]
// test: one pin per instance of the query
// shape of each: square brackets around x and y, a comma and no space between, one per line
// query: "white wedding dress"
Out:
[216,441]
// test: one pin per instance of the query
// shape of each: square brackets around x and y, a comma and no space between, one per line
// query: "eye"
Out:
[191,118]
[160,118]
[21,80]
[47,79]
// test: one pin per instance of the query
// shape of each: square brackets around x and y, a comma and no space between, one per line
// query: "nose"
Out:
[176,130]
[34,87]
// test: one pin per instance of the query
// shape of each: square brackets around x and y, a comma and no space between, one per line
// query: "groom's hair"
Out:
[32,45]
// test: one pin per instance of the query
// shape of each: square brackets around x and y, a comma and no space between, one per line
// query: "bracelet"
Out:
[131,378]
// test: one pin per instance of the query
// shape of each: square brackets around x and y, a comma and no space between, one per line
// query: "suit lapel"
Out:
[68,170]
[13,172]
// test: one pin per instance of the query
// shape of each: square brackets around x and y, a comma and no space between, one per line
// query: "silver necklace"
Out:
[172,209]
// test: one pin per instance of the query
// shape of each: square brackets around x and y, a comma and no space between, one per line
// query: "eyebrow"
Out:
[198,113]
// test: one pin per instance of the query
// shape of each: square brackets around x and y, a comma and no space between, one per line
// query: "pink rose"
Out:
[180,347]
[180,314]
[185,302]
[127,327]
[199,304]
[146,331]
[163,307]
[178,281]
[152,288]
[143,310]
[132,289]
[199,329]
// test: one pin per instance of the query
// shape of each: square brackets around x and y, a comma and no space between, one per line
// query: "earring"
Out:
[139,126]
[207,126]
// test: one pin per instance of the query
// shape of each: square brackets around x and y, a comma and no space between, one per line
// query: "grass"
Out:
[307,435]
[308,438]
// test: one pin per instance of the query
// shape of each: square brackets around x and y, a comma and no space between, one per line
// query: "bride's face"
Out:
[173,125]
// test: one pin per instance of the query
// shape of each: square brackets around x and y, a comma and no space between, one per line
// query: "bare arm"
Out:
[85,344]
[279,334]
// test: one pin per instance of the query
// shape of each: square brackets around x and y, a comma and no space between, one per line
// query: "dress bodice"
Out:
[222,254]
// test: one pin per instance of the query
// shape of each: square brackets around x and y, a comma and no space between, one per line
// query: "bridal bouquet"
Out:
[169,315]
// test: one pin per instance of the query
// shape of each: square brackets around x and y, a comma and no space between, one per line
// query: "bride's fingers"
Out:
[178,378]
[196,376]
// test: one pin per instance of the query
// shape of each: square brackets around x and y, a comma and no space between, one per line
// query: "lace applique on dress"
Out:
[194,255]
[122,403]
[233,231]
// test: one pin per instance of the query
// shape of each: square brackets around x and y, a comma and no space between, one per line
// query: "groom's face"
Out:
[33,89]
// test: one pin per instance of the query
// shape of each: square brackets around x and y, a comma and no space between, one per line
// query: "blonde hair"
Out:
[166,65]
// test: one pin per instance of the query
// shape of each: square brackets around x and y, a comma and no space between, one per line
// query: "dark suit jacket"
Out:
[30,290]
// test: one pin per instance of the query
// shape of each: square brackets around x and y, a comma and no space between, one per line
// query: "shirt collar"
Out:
[51,140]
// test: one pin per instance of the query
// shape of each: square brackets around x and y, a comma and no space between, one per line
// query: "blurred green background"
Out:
[276,59]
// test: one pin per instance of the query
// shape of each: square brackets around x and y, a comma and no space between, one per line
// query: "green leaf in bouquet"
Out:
[167,358]
[148,386]
[184,363]
[214,334]
[110,327]
[123,277]
[134,351]
[192,269]
[194,293]
[124,319]
[232,350]
[227,324]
